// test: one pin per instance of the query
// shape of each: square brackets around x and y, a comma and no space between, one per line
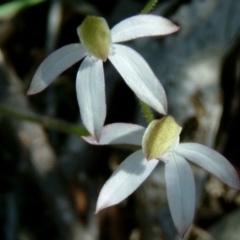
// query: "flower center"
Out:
[95,36]
[159,137]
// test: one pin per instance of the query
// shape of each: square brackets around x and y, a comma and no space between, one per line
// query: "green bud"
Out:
[95,36]
[159,137]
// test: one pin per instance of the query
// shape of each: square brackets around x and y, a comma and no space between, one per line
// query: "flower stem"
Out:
[146,112]
[149,6]
[145,108]
[44,121]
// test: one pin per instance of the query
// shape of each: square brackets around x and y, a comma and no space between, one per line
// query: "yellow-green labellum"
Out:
[159,137]
[95,36]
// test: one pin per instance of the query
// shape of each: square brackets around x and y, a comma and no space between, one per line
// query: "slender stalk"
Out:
[146,111]
[149,6]
[145,108]
[46,122]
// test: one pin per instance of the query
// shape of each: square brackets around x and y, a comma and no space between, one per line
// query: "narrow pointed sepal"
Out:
[125,180]
[180,192]
[118,133]
[90,88]
[142,26]
[54,65]
[211,161]
[139,77]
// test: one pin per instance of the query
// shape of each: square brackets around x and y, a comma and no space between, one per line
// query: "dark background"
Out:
[50,180]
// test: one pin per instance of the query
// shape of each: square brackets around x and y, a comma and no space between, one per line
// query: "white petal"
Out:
[139,77]
[54,65]
[142,26]
[210,160]
[91,95]
[180,192]
[119,133]
[125,180]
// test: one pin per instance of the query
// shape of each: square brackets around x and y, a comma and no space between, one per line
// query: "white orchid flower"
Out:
[98,44]
[160,142]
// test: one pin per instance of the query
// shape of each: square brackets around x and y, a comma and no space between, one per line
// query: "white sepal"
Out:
[142,26]
[54,65]
[211,161]
[180,192]
[139,77]
[90,88]
[119,133]
[125,179]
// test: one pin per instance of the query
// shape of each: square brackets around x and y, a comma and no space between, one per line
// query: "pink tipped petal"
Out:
[139,77]
[54,65]
[211,161]
[142,26]
[180,192]
[125,179]
[91,95]
[119,133]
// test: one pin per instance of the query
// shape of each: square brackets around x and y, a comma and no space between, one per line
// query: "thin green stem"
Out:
[44,121]
[149,6]
[146,112]
[145,108]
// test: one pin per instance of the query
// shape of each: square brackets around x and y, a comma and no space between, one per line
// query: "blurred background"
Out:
[50,179]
